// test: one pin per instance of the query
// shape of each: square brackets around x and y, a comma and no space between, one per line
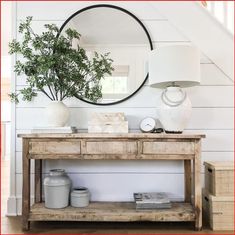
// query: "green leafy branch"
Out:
[54,67]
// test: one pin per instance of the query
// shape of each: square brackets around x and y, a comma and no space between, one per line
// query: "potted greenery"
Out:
[54,67]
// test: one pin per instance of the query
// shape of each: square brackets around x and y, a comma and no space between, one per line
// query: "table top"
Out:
[114,136]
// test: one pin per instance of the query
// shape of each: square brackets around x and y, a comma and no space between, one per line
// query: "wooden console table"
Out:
[131,146]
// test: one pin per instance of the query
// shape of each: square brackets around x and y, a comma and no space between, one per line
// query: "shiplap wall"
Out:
[116,180]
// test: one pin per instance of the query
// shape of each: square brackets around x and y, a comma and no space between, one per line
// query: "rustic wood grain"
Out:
[54,147]
[220,166]
[111,147]
[38,181]
[218,211]
[161,147]
[219,178]
[166,157]
[110,136]
[113,211]
[187,181]
[134,146]
[197,185]
[26,186]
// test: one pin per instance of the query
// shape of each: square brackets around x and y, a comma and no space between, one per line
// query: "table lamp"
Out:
[172,68]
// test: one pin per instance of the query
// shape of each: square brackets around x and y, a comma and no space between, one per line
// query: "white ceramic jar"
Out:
[57,114]
[174,110]
[80,197]
[56,189]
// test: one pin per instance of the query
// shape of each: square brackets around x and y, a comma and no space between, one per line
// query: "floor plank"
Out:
[12,225]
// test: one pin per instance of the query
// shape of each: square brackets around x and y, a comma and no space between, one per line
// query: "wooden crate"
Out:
[218,211]
[219,178]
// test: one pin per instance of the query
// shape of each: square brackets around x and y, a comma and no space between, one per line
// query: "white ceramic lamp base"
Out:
[174,110]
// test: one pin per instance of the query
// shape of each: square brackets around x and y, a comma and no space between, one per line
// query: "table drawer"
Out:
[111,147]
[164,147]
[54,147]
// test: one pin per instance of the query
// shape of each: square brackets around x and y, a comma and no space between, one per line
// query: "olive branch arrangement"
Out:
[55,67]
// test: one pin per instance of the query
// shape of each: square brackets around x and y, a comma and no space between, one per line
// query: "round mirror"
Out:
[113,30]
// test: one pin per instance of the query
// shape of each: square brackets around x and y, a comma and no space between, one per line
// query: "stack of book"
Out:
[55,130]
[151,201]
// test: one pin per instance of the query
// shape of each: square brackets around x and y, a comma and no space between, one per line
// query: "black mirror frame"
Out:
[141,24]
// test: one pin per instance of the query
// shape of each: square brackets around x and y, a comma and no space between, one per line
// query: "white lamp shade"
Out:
[176,63]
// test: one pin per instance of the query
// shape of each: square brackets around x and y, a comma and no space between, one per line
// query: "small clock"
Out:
[148,124]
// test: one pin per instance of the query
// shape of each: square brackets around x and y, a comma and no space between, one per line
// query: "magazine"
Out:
[152,200]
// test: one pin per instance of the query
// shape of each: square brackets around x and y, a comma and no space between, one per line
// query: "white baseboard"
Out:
[14,205]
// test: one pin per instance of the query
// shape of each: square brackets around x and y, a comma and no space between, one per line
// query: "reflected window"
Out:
[116,85]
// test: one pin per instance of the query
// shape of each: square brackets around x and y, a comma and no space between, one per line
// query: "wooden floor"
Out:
[12,225]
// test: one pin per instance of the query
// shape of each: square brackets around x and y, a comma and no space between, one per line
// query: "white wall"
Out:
[6,32]
[116,180]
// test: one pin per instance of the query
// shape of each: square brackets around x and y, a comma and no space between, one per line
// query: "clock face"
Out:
[147,124]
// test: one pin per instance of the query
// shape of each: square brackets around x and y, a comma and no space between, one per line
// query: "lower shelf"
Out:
[112,211]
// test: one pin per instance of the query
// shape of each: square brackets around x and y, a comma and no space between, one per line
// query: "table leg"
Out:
[38,181]
[26,186]
[187,180]
[197,185]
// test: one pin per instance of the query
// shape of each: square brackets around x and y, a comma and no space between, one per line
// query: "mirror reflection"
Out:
[108,29]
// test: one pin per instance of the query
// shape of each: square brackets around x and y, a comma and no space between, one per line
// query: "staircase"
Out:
[196,22]
[223,11]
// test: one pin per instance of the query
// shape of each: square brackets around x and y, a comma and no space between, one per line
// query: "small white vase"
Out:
[57,114]
[175,118]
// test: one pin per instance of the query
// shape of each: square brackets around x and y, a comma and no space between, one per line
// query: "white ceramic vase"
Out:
[174,110]
[57,114]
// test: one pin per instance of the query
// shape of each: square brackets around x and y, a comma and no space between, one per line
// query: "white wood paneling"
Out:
[216,140]
[211,118]
[216,156]
[210,76]
[160,31]
[117,180]
[18,198]
[163,31]
[200,96]
[19,184]
[112,166]
[41,10]
[202,118]
[211,96]
[120,187]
